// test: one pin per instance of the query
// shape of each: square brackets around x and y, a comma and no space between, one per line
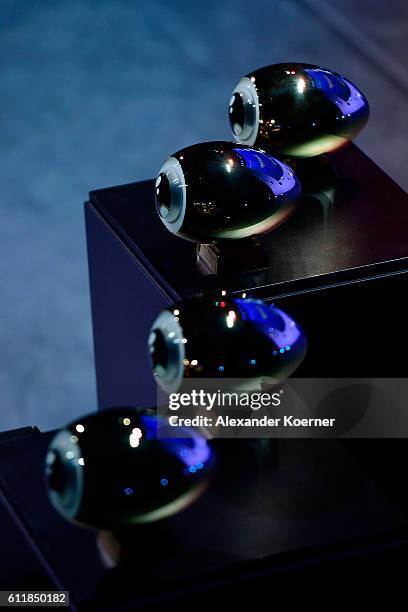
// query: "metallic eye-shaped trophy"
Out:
[221,191]
[117,468]
[224,336]
[298,110]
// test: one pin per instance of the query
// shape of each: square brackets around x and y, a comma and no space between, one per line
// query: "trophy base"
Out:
[221,259]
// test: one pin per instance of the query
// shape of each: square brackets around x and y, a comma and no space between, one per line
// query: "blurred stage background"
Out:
[98,92]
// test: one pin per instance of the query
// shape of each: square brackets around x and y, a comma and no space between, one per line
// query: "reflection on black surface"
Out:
[347,405]
[221,336]
[309,227]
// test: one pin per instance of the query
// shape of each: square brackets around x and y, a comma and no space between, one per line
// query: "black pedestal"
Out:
[354,231]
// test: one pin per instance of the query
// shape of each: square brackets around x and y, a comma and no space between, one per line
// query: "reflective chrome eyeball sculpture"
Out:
[299,110]
[222,191]
[113,469]
[220,336]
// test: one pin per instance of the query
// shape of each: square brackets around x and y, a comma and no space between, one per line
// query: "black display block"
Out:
[350,229]
[309,512]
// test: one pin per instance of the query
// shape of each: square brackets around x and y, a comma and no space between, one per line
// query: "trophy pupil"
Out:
[163,195]
[159,353]
[237,114]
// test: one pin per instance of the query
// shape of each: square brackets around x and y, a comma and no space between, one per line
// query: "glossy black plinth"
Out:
[352,231]
[364,225]
[23,563]
[308,516]
[312,511]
